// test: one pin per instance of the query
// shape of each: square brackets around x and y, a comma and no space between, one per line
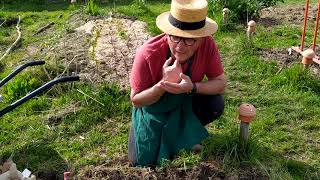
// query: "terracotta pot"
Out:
[306,60]
[246,112]
[251,26]
[308,55]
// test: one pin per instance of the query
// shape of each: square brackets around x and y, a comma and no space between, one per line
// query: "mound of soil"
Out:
[102,48]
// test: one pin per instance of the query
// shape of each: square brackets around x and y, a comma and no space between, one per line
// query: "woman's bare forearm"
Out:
[212,86]
[147,97]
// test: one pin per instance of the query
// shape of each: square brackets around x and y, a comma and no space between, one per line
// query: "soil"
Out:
[291,14]
[101,49]
[280,56]
[205,170]
[56,116]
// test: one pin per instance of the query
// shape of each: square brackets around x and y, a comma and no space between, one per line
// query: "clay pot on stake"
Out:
[66,175]
[307,59]
[246,114]
[251,29]
[225,13]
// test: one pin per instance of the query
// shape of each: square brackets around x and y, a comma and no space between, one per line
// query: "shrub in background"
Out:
[19,1]
[243,9]
[92,8]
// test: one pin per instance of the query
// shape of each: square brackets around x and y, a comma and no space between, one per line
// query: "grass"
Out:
[284,141]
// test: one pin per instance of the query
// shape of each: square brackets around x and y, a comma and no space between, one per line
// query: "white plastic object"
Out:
[26,173]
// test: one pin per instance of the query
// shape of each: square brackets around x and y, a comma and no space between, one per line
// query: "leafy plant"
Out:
[241,10]
[141,1]
[92,8]
[20,86]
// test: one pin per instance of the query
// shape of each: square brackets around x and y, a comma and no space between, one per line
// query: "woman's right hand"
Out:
[171,73]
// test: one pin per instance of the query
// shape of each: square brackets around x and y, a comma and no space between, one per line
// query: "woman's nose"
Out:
[180,44]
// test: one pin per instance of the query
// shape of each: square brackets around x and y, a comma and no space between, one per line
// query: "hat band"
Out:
[186,25]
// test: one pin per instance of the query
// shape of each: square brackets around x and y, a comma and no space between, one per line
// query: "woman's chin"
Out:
[182,60]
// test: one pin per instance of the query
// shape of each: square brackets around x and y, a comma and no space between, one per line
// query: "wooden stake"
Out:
[15,42]
[44,28]
[3,23]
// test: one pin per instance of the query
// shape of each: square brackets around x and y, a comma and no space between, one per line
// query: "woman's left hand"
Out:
[184,86]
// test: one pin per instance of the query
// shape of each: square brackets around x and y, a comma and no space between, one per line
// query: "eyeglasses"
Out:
[186,41]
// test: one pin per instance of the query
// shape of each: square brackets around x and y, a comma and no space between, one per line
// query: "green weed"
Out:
[92,8]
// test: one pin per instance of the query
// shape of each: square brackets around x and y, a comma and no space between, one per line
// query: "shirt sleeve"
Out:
[215,67]
[140,77]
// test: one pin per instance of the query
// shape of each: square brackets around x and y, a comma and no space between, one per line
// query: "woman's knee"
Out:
[208,107]
[217,106]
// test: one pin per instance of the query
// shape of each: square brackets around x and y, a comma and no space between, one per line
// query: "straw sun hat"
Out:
[187,18]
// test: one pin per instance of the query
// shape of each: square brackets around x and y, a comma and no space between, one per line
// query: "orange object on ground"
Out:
[246,112]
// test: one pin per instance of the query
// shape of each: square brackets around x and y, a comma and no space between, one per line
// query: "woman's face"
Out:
[183,48]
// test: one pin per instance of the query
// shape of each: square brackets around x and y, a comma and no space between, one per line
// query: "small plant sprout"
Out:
[251,29]
[307,58]
[246,113]
[225,13]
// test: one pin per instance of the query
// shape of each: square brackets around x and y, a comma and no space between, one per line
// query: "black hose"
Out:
[19,69]
[37,92]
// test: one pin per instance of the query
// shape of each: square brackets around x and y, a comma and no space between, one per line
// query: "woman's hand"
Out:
[171,73]
[184,86]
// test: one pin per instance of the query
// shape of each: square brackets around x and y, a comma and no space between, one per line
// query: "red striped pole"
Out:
[304,24]
[316,28]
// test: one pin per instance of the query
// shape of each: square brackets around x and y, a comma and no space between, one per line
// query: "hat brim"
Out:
[165,26]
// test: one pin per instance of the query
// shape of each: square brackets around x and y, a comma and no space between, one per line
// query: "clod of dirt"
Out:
[47,175]
[55,117]
[32,50]
[247,172]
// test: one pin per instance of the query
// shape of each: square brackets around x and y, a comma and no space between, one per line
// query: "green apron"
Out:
[164,128]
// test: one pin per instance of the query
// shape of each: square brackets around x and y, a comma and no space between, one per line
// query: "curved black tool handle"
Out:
[34,63]
[19,69]
[34,93]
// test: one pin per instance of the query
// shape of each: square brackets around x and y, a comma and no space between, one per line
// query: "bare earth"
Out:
[103,49]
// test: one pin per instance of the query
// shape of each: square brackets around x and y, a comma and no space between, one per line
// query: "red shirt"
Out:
[150,57]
